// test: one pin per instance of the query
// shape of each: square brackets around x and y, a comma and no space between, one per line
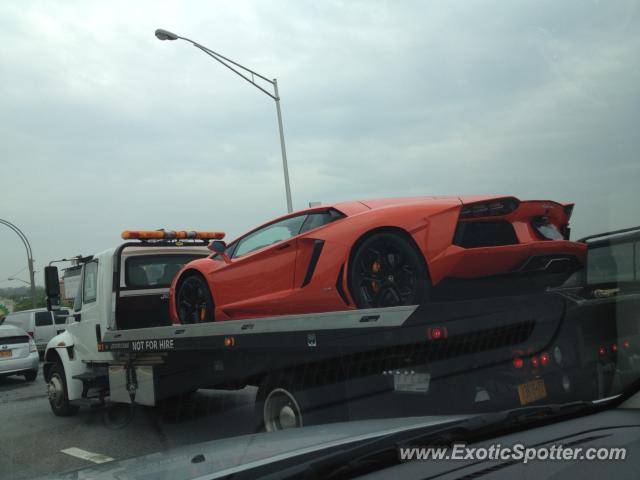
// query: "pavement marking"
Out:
[89,456]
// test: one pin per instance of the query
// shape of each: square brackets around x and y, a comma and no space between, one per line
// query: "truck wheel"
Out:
[386,270]
[57,391]
[194,302]
[31,375]
[280,405]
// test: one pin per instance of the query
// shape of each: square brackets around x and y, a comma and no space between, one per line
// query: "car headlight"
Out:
[32,346]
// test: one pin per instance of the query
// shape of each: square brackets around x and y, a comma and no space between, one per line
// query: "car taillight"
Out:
[492,208]
[546,230]
[518,363]
[32,346]
[602,351]
[30,334]
[534,362]
[614,348]
[626,344]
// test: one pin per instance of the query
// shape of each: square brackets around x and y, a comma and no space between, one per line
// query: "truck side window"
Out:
[43,319]
[90,282]
[612,263]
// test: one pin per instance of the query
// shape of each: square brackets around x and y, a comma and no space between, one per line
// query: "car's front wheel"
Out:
[194,302]
[386,270]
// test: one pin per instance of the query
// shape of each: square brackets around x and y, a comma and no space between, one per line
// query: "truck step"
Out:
[87,402]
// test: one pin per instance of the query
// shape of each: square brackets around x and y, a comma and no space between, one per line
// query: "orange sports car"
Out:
[376,253]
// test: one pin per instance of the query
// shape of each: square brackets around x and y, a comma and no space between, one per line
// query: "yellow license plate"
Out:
[531,391]
[5,353]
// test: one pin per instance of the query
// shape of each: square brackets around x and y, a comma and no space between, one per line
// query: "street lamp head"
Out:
[163,34]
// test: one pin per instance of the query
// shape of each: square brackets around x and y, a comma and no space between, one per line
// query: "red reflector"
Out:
[614,348]
[602,350]
[534,362]
[436,333]
[518,363]
[626,344]
[544,359]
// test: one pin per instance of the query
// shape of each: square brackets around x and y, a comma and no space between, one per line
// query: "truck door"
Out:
[44,330]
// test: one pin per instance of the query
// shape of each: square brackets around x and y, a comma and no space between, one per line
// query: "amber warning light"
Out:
[170,234]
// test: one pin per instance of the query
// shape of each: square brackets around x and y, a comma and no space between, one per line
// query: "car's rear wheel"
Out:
[386,270]
[194,302]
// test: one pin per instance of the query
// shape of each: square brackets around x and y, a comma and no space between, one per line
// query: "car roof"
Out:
[11,331]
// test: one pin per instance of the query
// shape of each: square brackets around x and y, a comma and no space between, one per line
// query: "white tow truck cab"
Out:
[122,288]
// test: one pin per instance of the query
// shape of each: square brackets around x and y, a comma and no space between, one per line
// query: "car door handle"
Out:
[282,247]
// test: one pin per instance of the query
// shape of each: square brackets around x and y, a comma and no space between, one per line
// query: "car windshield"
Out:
[430,215]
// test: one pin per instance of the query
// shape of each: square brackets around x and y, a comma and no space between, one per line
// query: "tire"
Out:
[281,405]
[31,375]
[194,303]
[387,270]
[58,395]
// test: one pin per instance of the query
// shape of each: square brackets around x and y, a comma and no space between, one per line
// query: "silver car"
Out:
[18,353]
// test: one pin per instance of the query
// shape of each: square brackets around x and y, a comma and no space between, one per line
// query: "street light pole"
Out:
[162,34]
[27,246]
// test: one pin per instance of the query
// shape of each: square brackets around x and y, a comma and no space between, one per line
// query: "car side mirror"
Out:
[219,247]
[52,287]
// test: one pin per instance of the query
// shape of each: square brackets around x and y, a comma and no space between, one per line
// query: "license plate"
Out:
[531,391]
[411,382]
[6,353]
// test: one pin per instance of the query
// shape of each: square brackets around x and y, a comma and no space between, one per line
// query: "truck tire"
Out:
[282,404]
[57,391]
[31,375]
[387,270]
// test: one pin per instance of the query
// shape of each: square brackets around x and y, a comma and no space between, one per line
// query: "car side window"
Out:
[90,282]
[275,232]
[318,219]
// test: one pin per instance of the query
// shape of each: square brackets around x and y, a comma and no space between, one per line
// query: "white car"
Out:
[18,353]
[40,324]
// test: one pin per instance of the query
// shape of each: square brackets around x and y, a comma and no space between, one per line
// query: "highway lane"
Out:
[34,442]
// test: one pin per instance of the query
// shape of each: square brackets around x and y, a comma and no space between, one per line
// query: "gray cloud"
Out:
[106,128]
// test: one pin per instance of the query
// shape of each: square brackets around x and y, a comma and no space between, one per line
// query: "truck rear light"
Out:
[492,208]
[544,359]
[626,344]
[602,351]
[437,333]
[535,362]
[614,348]
[518,363]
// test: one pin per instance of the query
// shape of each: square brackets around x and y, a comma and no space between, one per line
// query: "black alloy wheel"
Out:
[194,302]
[387,271]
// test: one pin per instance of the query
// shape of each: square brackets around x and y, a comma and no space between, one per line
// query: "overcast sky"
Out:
[104,128]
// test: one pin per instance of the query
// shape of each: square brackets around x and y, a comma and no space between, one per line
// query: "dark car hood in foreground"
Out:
[224,457]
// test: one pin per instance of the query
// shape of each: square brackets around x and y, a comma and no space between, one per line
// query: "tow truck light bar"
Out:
[170,234]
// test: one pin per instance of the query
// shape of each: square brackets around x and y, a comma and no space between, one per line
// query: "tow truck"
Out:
[121,348]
